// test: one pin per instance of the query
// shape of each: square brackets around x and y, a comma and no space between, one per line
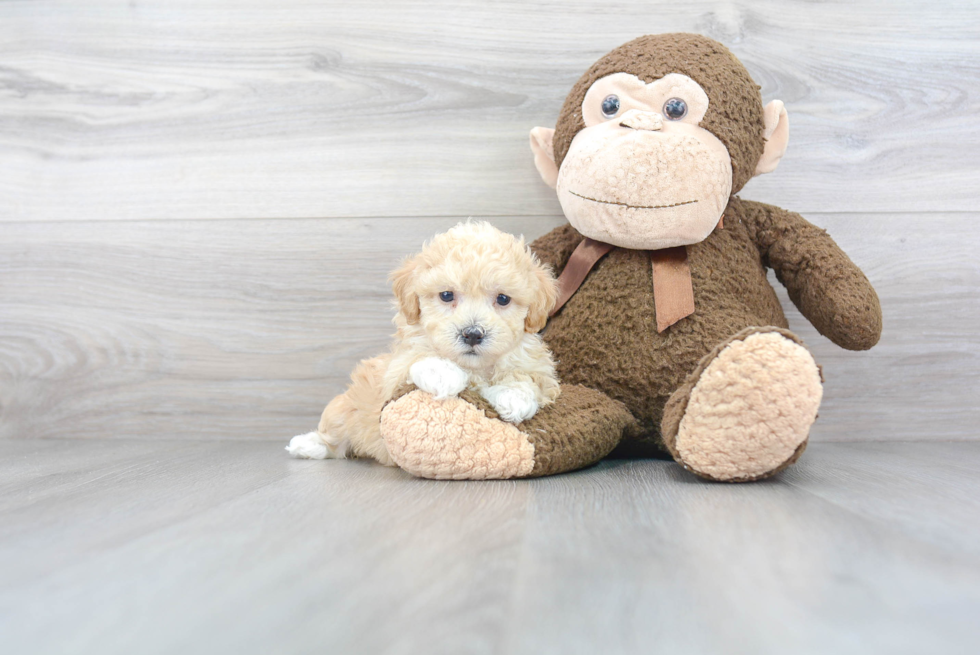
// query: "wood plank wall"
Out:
[199,201]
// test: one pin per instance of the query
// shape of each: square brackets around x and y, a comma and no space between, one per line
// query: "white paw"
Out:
[514,404]
[438,376]
[311,446]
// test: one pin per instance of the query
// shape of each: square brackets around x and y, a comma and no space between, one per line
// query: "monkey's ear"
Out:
[776,135]
[402,284]
[543,147]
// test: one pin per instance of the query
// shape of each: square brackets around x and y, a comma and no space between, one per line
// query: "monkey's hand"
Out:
[440,377]
[514,402]
[824,284]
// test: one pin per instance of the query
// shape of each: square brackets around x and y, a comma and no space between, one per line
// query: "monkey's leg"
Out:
[746,410]
[462,438]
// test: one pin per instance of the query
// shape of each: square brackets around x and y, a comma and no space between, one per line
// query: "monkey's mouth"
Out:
[623,204]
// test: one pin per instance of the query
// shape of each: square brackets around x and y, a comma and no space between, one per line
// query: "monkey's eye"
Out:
[675,109]
[503,300]
[446,296]
[610,106]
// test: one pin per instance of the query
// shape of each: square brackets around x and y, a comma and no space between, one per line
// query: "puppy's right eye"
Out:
[446,296]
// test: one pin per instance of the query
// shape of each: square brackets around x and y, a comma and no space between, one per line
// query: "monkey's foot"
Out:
[463,438]
[746,412]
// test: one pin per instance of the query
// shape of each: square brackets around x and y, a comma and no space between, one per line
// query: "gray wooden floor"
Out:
[121,546]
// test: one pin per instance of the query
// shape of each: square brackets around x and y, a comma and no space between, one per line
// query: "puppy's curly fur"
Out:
[470,306]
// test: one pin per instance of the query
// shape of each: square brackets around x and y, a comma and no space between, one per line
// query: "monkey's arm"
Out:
[555,247]
[826,286]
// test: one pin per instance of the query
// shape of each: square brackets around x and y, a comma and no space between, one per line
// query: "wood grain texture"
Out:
[245,329]
[206,547]
[295,109]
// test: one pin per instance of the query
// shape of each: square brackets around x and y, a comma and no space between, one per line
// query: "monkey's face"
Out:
[643,174]
[654,138]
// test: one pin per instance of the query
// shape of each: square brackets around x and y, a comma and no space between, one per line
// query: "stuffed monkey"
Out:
[668,335]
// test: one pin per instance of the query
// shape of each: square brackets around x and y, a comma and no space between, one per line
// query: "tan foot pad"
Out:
[751,410]
[453,440]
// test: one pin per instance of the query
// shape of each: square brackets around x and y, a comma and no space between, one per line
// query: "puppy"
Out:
[469,309]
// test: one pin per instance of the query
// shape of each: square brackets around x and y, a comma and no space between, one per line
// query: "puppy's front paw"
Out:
[514,404]
[312,446]
[438,376]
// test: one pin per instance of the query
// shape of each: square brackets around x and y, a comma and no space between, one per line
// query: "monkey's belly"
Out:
[606,338]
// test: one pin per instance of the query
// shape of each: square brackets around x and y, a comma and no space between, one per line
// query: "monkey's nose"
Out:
[641,120]
[473,335]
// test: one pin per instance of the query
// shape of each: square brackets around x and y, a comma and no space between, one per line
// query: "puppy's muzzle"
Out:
[472,335]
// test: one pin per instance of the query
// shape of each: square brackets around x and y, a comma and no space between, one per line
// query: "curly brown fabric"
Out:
[605,336]
[822,281]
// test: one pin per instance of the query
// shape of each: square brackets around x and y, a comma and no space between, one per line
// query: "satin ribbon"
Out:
[673,291]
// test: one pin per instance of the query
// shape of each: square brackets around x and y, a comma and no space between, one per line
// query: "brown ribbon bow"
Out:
[673,291]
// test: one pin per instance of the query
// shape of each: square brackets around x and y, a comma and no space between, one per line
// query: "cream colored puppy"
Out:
[469,309]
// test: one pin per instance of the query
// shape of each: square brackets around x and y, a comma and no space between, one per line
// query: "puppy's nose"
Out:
[473,335]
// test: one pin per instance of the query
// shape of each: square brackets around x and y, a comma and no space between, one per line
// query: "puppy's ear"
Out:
[544,299]
[403,284]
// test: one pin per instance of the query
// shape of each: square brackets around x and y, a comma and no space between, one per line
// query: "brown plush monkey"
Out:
[668,335]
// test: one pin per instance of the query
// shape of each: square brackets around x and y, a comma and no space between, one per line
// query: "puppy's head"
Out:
[475,291]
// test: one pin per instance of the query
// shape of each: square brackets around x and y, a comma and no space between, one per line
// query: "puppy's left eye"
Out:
[503,300]
[446,296]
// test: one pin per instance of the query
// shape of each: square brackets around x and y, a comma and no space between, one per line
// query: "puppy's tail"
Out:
[314,445]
